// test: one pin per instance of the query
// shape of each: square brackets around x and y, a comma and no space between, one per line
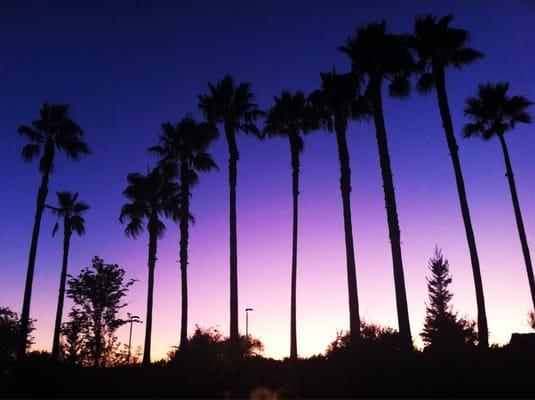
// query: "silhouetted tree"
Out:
[9,334]
[72,346]
[374,337]
[494,113]
[233,106]
[439,46]
[381,56]
[70,210]
[337,102]
[290,117]
[53,132]
[443,329]
[97,293]
[151,196]
[183,149]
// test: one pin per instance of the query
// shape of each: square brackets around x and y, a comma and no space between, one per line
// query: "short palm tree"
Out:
[233,106]
[494,113]
[439,46]
[290,117]
[71,211]
[183,149]
[379,56]
[337,102]
[151,197]
[53,132]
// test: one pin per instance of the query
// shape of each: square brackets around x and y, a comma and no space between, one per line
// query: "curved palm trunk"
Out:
[392,219]
[233,172]
[153,244]
[345,188]
[184,237]
[61,292]
[293,297]
[25,314]
[454,152]
[519,220]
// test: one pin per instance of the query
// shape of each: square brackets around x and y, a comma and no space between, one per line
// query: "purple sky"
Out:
[126,67]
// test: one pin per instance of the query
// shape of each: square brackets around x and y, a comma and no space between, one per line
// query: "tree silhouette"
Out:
[151,196]
[9,335]
[53,132]
[439,46]
[70,210]
[233,106]
[494,113]
[337,102]
[290,117]
[182,149]
[381,56]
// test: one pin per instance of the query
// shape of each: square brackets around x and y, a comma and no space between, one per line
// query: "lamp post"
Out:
[247,323]
[131,320]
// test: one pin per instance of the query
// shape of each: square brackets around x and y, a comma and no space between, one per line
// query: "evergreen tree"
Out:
[443,329]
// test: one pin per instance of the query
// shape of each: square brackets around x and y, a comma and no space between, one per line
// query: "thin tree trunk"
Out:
[232,167]
[61,292]
[519,220]
[184,237]
[440,84]
[293,297]
[392,219]
[153,247]
[345,188]
[25,314]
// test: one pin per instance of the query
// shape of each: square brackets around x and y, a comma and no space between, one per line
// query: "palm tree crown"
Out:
[71,210]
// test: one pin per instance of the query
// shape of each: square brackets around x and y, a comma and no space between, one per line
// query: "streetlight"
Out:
[131,319]
[247,322]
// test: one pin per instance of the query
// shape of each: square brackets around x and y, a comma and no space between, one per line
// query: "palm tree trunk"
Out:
[519,220]
[184,237]
[345,188]
[233,172]
[153,246]
[61,292]
[293,297]
[392,219]
[25,314]
[440,84]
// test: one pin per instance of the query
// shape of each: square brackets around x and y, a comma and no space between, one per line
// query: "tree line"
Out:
[382,63]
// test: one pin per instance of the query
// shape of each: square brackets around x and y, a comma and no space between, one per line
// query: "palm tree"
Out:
[183,149]
[439,46]
[380,56]
[150,196]
[494,113]
[70,210]
[53,132]
[233,106]
[336,103]
[290,117]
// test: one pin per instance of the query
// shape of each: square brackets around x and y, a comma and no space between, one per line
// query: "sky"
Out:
[125,67]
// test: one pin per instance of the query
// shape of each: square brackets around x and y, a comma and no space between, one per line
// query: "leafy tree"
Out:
[379,56]
[374,337]
[337,102]
[70,210]
[233,106]
[438,47]
[97,293]
[183,149]
[72,344]
[443,329]
[291,117]
[54,132]
[494,113]
[151,196]
[9,331]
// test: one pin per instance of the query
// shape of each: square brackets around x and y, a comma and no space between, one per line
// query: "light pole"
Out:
[247,323]
[131,319]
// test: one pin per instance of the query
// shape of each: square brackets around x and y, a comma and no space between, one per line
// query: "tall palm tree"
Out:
[380,56]
[53,132]
[336,103]
[439,46]
[150,196]
[290,117]
[183,148]
[70,210]
[233,106]
[494,113]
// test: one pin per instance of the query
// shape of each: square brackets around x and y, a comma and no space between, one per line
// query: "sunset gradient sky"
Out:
[127,66]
